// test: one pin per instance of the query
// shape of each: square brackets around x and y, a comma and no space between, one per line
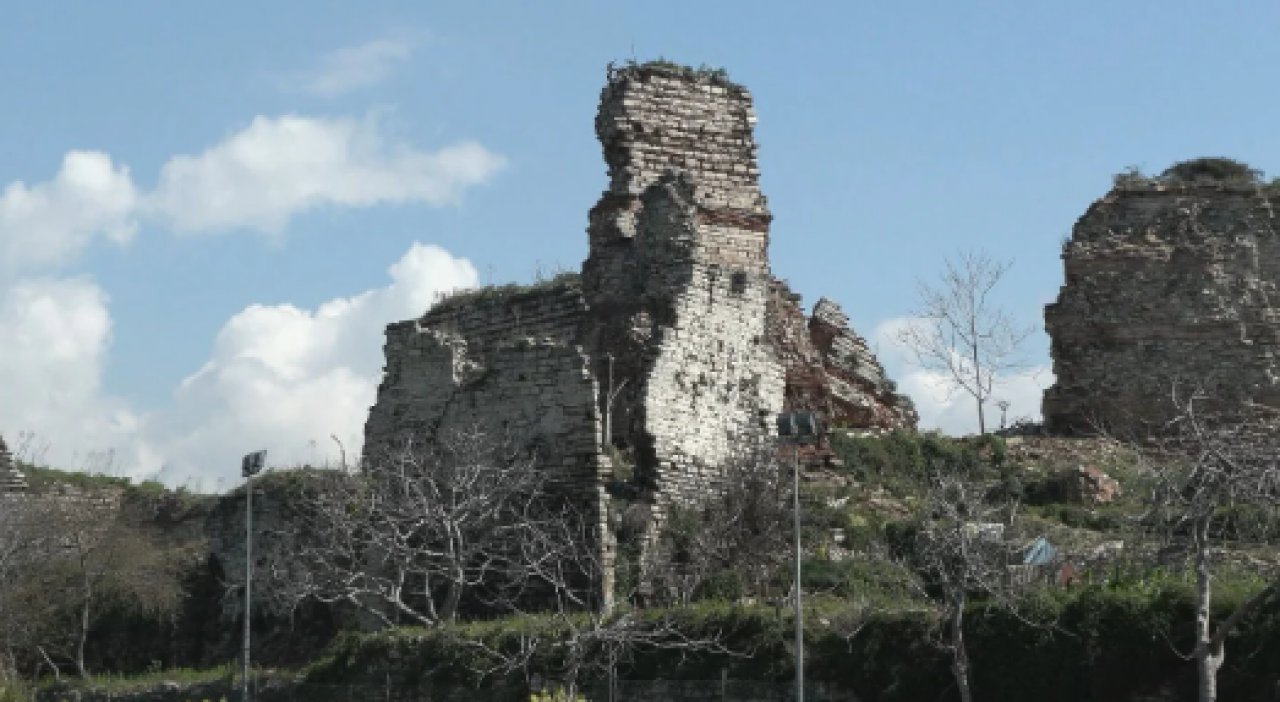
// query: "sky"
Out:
[208,212]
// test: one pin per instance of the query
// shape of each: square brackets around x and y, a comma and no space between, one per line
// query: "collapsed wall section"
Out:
[710,386]
[830,369]
[499,360]
[1170,287]
[11,479]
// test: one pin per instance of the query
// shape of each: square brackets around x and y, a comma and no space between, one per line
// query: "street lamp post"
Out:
[250,466]
[797,428]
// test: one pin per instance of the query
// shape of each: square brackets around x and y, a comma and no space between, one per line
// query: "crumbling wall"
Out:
[11,479]
[670,347]
[1170,286]
[677,277]
[830,369]
[501,362]
[711,386]
[506,361]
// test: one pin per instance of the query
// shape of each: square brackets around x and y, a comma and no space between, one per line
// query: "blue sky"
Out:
[200,204]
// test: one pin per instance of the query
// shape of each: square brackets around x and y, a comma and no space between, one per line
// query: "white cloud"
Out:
[285,378]
[945,408]
[258,178]
[275,168]
[278,377]
[355,67]
[45,223]
[56,333]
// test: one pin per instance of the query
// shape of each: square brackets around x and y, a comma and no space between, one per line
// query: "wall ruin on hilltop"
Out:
[1170,283]
[11,479]
[676,340]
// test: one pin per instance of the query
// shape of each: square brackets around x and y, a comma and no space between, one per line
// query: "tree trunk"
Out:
[449,611]
[80,644]
[1209,652]
[978,394]
[84,630]
[959,655]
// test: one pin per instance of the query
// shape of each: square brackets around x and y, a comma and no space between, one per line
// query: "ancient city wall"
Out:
[677,277]
[11,479]
[674,350]
[505,363]
[654,121]
[1170,286]
[712,386]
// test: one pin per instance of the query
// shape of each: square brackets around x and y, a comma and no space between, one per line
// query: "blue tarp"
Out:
[1040,553]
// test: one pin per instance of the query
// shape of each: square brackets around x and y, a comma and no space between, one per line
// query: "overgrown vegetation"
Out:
[712,74]
[900,460]
[507,293]
[1117,629]
[1210,169]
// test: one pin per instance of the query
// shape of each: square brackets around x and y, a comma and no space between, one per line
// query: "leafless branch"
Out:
[961,333]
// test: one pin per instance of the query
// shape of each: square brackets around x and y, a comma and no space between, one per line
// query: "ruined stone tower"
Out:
[11,479]
[677,277]
[1170,283]
[676,345]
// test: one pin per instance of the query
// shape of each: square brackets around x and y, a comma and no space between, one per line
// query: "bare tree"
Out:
[961,333]
[19,537]
[415,536]
[1217,483]
[77,556]
[573,641]
[740,532]
[958,551]
[423,527]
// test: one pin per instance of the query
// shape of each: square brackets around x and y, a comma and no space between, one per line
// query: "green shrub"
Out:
[902,460]
[1211,168]
[497,295]
[13,691]
[712,74]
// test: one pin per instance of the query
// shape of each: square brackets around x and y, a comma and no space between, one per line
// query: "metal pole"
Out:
[248,579]
[799,607]
[608,407]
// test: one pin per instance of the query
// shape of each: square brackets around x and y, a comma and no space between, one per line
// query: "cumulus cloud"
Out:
[258,178]
[56,336]
[261,176]
[951,410]
[285,378]
[45,223]
[355,67]
[278,377]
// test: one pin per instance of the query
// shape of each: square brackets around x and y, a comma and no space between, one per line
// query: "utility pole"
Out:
[795,495]
[797,428]
[611,394]
[250,466]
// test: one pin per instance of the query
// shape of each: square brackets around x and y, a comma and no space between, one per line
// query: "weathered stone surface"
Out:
[676,342]
[1092,486]
[830,369]
[1169,284]
[11,479]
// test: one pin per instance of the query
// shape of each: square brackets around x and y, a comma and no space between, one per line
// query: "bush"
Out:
[901,460]
[1211,168]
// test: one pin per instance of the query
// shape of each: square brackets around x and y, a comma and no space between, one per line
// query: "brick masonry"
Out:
[676,336]
[11,479]
[1168,285]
